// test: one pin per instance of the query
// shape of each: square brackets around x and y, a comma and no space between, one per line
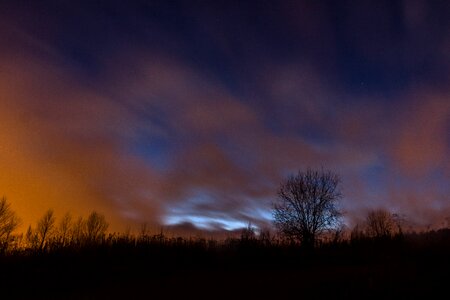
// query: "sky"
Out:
[191,113]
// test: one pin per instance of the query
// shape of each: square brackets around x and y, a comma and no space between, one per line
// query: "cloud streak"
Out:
[182,124]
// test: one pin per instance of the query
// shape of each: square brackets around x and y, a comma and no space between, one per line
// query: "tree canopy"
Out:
[307,205]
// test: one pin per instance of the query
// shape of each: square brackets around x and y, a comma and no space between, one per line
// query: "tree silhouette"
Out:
[380,223]
[8,223]
[78,231]
[96,227]
[65,229]
[307,205]
[31,238]
[248,233]
[45,228]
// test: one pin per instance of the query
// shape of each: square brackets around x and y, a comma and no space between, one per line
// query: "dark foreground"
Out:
[366,269]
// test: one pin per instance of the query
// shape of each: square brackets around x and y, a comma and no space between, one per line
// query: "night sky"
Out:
[191,113]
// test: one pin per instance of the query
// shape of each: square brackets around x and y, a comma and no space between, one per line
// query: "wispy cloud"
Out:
[173,122]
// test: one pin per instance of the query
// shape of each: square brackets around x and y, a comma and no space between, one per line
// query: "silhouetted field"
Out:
[156,267]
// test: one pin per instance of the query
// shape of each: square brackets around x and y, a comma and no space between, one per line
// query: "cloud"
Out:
[422,142]
[64,146]
[163,125]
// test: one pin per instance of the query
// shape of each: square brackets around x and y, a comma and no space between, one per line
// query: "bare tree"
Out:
[96,227]
[78,231]
[64,229]
[307,205]
[380,223]
[338,234]
[357,233]
[8,223]
[45,228]
[31,238]
[248,233]
[265,237]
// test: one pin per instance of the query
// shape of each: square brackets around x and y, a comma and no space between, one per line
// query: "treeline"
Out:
[82,260]
[50,234]
[69,233]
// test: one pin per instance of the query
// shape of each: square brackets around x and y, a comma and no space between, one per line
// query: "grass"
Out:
[414,265]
